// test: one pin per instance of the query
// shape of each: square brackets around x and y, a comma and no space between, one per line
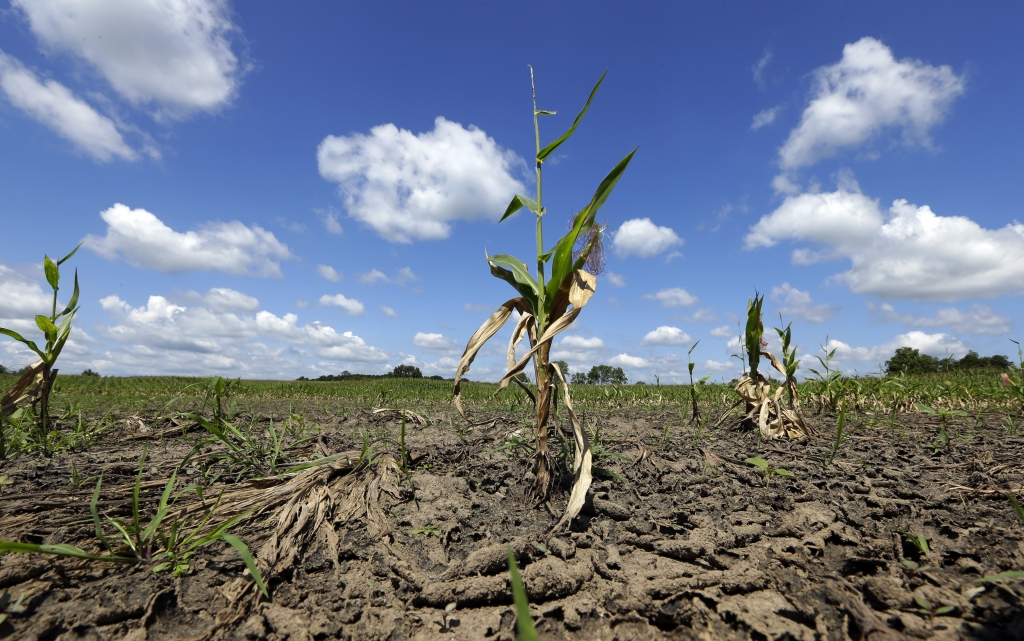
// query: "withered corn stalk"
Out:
[546,307]
[764,409]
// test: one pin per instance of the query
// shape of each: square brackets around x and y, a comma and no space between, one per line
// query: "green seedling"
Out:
[427,530]
[842,434]
[941,442]
[928,609]
[917,540]
[524,620]
[789,363]
[830,381]
[448,609]
[912,567]
[5,480]
[544,303]
[942,413]
[694,394]
[767,471]
[1002,576]
[990,525]
[1016,507]
[36,383]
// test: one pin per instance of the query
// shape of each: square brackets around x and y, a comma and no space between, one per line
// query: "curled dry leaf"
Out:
[27,388]
[582,463]
[766,409]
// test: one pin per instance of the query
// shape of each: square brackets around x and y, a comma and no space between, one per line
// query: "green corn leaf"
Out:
[243,551]
[544,112]
[759,462]
[562,262]
[96,515]
[518,202]
[61,261]
[1017,507]
[547,151]
[519,270]
[161,510]
[48,328]
[1009,574]
[527,290]
[52,273]
[18,337]
[58,549]
[524,620]
[74,298]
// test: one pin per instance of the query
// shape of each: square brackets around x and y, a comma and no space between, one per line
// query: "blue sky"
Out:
[270,190]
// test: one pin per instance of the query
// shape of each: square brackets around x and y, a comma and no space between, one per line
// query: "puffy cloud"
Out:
[615,280]
[144,241]
[390,313]
[435,343]
[908,253]
[21,297]
[978,320]
[632,362]
[674,297]
[351,306]
[864,93]
[329,273]
[724,332]
[175,55]
[373,276]
[578,342]
[939,345]
[56,107]
[765,117]
[794,302]
[667,336]
[642,237]
[222,299]
[716,366]
[411,187]
[706,315]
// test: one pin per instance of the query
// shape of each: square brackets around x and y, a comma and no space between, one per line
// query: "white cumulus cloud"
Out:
[674,297]
[21,297]
[795,302]
[643,238]
[632,362]
[980,319]
[410,187]
[222,299]
[143,240]
[579,342]
[724,332]
[351,306]
[56,107]
[328,272]
[865,93]
[175,54]
[908,252]
[665,335]
[435,343]
[939,345]
[615,280]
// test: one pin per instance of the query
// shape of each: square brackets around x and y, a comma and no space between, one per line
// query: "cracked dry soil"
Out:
[688,544]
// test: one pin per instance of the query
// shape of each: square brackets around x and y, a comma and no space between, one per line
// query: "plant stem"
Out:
[539,313]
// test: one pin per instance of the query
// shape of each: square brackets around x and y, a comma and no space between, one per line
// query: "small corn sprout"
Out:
[547,306]
[35,385]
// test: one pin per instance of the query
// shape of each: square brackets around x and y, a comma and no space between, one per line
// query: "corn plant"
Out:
[694,394]
[35,384]
[547,305]
[763,409]
[767,471]
[789,364]
[830,380]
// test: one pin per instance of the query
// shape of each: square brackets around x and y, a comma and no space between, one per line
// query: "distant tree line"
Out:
[18,372]
[909,360]
[400,371]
